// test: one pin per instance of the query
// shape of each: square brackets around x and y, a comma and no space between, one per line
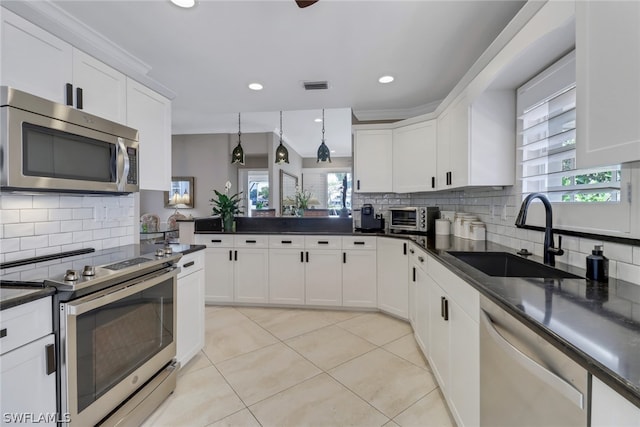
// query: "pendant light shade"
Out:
[282,154]
[324,154]
[237,157]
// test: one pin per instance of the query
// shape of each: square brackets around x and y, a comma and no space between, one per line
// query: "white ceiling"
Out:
[209,54]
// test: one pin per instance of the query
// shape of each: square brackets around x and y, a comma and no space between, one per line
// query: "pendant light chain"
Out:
[280,126]
[323,125]
[238,127]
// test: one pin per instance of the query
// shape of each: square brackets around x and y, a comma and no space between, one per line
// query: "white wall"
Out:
[35,225]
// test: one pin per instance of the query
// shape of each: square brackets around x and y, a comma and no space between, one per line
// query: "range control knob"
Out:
[89,271]
[159,252]
[71,276]
[168,250]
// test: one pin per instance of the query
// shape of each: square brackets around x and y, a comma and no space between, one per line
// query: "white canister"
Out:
[450,215]
[457,224]
[465,232]
[443,227]
[478,231]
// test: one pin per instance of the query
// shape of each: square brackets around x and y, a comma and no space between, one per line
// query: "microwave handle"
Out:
[122,179]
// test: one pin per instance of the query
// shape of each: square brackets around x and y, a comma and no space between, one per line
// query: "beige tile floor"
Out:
[293,367]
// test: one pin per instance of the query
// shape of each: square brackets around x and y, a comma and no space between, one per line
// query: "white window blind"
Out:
[547,106]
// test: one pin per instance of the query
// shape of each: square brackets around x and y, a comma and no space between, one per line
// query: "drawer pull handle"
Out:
[216,241]
[358,243]
[250,241]
[50,350]
[3,332]
[323,242]
[189,264]
[230,255]
[286,242]
[344,257]
[301,256]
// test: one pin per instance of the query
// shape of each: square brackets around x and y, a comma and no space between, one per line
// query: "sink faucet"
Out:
[550,251]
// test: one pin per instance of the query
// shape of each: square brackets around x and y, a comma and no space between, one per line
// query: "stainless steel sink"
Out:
[504,264]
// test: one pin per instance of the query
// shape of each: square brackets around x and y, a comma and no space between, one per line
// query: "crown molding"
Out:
[52,18]
[396,114]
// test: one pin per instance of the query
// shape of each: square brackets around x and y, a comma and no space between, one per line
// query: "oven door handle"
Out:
[122,178]
[110,295]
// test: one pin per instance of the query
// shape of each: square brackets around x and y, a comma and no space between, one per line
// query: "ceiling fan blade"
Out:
[305,3]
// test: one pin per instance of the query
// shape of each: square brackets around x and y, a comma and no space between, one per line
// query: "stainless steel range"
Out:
[116,338]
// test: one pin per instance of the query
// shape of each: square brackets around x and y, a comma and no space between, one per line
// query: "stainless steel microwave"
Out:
[45,146]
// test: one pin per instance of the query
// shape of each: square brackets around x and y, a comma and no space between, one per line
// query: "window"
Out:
[546,108]
[548,141]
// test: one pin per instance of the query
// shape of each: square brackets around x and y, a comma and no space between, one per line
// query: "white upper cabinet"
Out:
[372,165]
[476,141]
[414,157]
[104,89]
[33,60]
[607,82]
[150,113]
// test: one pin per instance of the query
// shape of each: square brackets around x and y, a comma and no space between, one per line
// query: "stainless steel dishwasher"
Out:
[524,380]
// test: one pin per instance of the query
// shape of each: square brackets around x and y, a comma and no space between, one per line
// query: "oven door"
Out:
[114,341]
[404,219]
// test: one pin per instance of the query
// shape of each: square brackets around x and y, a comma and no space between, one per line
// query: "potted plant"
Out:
[226,206]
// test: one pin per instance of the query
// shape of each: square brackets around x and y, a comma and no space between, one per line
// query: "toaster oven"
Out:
[413,219]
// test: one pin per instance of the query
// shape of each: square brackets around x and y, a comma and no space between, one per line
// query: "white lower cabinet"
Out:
[609,409]
[393,276]
[454,342]
[286,270]
[359,278]
[323,270]
[190,309]
[421,282]
[219,274]
[251,268]
[27,364]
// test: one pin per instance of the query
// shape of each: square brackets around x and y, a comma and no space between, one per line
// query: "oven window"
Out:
[56,154]
[116,339]
[404,218]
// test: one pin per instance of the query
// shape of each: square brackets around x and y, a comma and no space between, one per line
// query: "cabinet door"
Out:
[443,166]
[104,89]
[607,82]
[359,279]
[372,161]
[414,157]
[190,311]
[609,409]
[421,304]
[219,275]
[251,275]
[150,114]
[323,277]
[464,353]
[33,60]
[26,388]
[286,276]
[393,276]
[459,144]
[439,336]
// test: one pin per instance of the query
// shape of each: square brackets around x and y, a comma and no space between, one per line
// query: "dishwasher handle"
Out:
[542,373]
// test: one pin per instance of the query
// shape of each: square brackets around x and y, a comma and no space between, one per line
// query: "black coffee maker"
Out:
[369,221]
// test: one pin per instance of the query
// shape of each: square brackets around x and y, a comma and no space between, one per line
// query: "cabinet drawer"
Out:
[214,240]
[285,242]
[460,291]
[418,257]
[191,263]
[25,323]
[251,241]
[358,242]
[322,242]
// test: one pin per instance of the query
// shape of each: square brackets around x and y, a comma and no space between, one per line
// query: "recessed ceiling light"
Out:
[184,3]
[385,79]
[318,120]
[333,151]
[255,86]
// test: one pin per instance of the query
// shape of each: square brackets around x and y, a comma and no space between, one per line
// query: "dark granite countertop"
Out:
[595,324]
[14,296]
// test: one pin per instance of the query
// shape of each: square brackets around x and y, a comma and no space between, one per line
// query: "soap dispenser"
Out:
[597,265]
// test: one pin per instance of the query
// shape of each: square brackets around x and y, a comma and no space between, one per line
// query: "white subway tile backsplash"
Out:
[628,272]
[49,227]
[618,252]
[61,239]
[48,251]
[66,226]
[18,230]
[34,242]
[112,242]
[35,274]
[9,216]
[586,245]
[14,256]
[46,202]
[90,224]
[82,236]
[16,202]
[33,215]
[118,232]
[636,255]
[60,214]
[9,245]
[71,201]
[102,233]
[83,213]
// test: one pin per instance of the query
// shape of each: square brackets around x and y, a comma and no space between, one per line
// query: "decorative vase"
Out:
[300,212]
[227,222]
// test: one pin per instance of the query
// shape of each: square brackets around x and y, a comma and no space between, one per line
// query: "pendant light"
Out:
[324,154]
[282,154]
[238,153]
